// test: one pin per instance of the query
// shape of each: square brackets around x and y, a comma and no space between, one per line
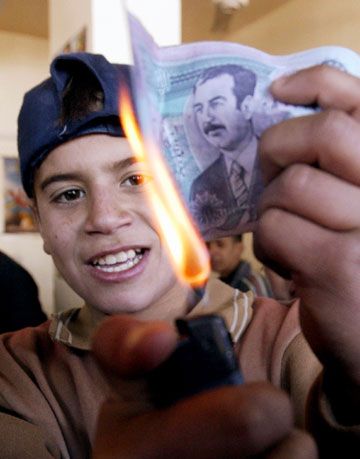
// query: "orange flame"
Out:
[184,243]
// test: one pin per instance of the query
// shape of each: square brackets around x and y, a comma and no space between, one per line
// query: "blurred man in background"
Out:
[226,259]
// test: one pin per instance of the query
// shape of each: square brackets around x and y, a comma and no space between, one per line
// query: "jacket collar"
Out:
[75,327]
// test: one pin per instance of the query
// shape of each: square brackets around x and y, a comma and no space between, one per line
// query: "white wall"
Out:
[278,26]
[23,63]
[106,25]
[109,31]
[66,19]
[162,18]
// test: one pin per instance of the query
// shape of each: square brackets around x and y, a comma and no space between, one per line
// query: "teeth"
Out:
[128,259]
[123,267]
[110,260]
[120,258]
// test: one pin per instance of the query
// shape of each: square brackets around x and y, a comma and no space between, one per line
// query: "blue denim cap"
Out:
[39,126]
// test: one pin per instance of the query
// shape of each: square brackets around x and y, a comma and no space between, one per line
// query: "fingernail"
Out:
[280,81]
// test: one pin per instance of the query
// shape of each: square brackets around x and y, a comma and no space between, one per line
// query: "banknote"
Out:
[206,104]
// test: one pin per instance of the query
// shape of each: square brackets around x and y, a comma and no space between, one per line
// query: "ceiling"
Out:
[25,16]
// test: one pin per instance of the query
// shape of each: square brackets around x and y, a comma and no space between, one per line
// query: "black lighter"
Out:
[203,359]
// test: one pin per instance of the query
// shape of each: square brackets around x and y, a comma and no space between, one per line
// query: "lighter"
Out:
[203,359]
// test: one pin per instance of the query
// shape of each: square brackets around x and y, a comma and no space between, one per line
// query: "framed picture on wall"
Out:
[76,43]
[17,213]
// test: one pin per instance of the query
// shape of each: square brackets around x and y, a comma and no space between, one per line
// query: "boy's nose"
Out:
[106,214]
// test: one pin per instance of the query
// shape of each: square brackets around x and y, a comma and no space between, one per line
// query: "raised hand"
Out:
[309,217]
[250,420]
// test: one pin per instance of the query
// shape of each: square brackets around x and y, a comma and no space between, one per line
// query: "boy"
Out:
[88,197]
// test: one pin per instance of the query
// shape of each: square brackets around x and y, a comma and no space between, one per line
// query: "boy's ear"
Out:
[37,221]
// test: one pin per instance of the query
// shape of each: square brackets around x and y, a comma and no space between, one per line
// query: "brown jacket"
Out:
[51,387]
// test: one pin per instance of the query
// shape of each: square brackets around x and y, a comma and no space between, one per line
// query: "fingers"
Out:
[317,257]
[129,347]
[227,422]
[297,445]
[330,140]
[295,243]
[315,195]
[321,85]
[311,167]
[324,266]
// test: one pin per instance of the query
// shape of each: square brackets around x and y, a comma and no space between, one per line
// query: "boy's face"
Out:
[97,225]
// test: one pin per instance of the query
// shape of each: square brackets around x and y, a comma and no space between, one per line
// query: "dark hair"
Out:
[244,79]
[237,238]
[82,95]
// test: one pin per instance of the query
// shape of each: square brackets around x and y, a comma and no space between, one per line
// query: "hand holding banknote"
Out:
[207,105]
[309,225]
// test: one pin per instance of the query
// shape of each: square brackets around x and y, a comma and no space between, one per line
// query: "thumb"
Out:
[129,347]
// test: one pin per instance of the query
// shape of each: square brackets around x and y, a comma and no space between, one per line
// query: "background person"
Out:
[226,259]
[20,305]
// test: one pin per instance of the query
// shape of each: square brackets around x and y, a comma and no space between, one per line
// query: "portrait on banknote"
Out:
[230,116]
[224,113]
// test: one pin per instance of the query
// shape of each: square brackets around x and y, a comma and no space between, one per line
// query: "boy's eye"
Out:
[136,180]
[70,195]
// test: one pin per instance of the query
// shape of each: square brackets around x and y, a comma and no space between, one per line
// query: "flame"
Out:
[187,250]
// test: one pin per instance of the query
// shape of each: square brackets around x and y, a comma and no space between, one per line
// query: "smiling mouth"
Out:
[120,261]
